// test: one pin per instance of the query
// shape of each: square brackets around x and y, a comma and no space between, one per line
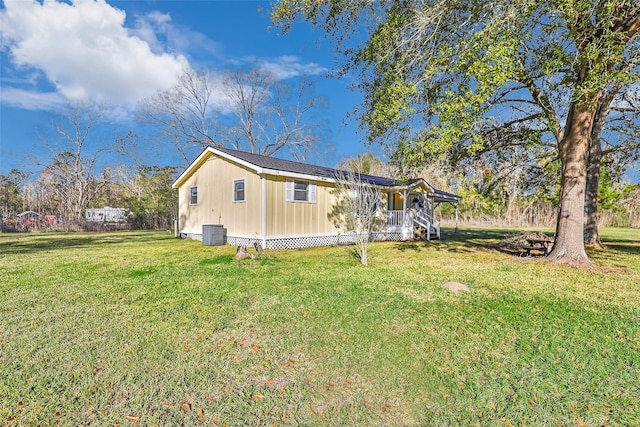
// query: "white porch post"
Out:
[263,180]
[456,229]
[404,201]
[405,217]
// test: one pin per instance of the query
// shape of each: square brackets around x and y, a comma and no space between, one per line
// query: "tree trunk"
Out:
[568,247]
[591,235]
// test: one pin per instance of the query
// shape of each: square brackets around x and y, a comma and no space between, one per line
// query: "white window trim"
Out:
[233,190]
[190,194]
[312,191]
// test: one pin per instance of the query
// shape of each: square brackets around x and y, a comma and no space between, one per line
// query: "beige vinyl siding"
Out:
[214,180]
[298,218]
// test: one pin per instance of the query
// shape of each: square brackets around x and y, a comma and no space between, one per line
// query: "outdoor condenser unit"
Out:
[214,235]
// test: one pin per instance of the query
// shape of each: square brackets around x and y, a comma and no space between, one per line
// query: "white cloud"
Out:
[159,18]
[31,100]
[175,38]
[146,31]
[282,67]
[69,51]
[286,67]
[84,51]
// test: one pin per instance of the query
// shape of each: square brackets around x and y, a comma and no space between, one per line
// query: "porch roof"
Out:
[443,196]
[436,194]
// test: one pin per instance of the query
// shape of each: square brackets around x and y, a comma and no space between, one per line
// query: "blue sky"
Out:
[119,52]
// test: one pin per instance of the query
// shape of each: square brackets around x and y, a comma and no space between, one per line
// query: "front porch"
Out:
[412,223]
[411,210]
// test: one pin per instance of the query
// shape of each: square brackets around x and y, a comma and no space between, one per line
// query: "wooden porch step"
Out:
[420,232]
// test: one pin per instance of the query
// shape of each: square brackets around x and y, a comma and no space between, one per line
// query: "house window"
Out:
[301,191]
[238,190]
[193,195]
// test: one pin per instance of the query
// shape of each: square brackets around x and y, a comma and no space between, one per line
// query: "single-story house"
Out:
[285,204]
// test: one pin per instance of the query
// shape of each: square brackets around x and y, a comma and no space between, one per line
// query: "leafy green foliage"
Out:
[608,195]
[11,198]
[150,198]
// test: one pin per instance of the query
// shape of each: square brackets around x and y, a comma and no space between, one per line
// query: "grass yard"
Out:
[138,328]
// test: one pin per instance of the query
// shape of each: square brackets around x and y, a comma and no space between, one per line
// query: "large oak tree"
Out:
[436,71]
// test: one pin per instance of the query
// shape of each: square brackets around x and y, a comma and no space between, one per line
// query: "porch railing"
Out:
[428,222]
[397,219]
[400,218]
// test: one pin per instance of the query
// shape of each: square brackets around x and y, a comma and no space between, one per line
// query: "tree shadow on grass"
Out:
[461,241]
[631,249]
[16,244]
[474,240]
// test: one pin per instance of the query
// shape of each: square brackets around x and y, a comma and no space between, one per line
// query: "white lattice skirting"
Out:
[304,241]
[242,241]
[308,241]
[301,242]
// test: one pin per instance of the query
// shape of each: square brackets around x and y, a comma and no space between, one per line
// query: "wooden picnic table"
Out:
[539,244]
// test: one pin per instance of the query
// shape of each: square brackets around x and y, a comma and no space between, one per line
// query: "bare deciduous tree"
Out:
[250,111]
[71,177]
[360,204]
[269,115]
[184,111]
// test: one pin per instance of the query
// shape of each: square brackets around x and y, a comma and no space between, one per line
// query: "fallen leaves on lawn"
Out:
[133,418]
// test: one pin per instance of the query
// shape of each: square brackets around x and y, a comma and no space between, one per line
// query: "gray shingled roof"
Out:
[445,195]
[320,171]
[302,168]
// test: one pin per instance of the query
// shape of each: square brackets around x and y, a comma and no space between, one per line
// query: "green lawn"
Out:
[138,328]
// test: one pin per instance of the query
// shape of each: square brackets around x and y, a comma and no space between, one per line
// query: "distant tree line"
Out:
[144,191]
[491,193]
[80,174]
[490,198]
